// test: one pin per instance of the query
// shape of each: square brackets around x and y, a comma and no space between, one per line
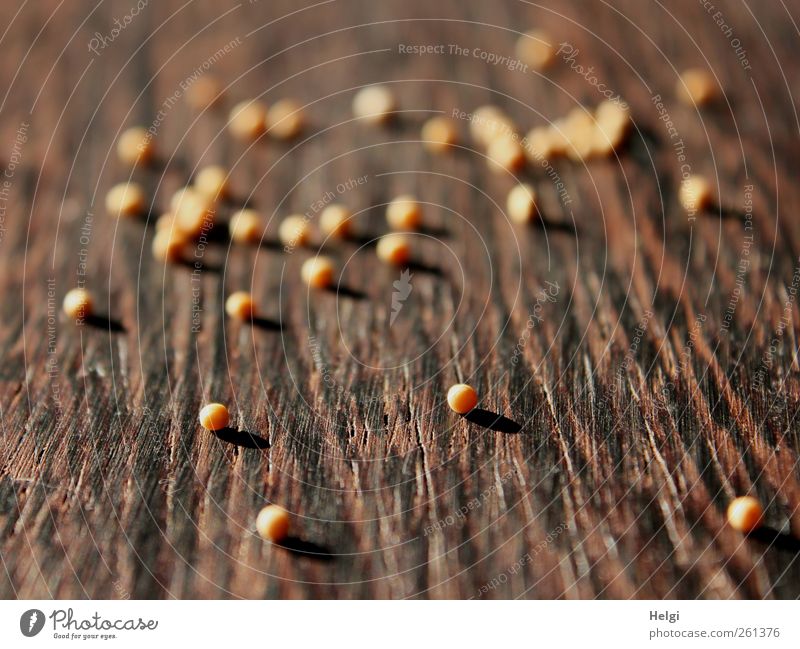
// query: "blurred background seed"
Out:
[317,272]
[245,226]
[404,213]
[125,199]
[240,305]
[135,146]
[394,249]
[294,231]
[521,203]
[535,48]
[374,104]
[334,221]
[78,304]
[439,134]
[285,119]
[212,182]
[248,120]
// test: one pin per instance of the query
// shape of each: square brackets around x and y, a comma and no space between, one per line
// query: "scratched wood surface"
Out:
[647,359]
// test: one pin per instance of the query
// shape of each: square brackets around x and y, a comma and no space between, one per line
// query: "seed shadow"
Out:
[346,291]
[105,322]
[199,265]
[267,324]
[435,232]
[492,421]
[425,268]
[555,226]
[777,539]
[728,213]
[307,549]
[242,438]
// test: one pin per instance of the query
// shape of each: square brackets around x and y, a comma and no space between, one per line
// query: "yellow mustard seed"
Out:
[165,222]
[505,154]
[695,194]
[404,213]
[240,305]
[212,182]
[294,231]
[248,120]
[78,304]
[745,514]
[204,92]
[194,214]
[318,272]
[135,146]
[214,416]
[125,199]
[169,244]
[245,226]
[285,119]
[462,398]
[489,123]
[439,134]
[697,87]
[521,203]
[374,104]
[536,49]
[272,523]
[334,221]
[394,249]
[539,145]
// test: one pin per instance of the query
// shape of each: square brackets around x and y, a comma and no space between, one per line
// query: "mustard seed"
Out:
[204,92]
[439,134]
[334,221]
[745,514]
[165,222]
[194,213]
[214,416]
[695,194]
[248,120]
[240,305]
[535,49]
[697,87]
[169,244]
[374,104]
[404,213]
[212,182]
[245,226]
[521,203]
[294,231]
[539,145]
[78,304]
[505,154]
[272,523]
[462,398]
[125,199]
[285,120]
[317,272]
[394,249]
[489,123]
[135,146]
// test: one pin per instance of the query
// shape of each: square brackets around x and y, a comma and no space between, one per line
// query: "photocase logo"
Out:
[402,289]
[31,622]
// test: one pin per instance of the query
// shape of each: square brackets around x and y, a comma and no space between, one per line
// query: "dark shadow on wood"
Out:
[436,232]
[415,266]
[266,324]
[308,549]
[776,539]
[105,322]
[555,226]
[242,438]
[492,421]
[728,213]
[346,291]
[200,265]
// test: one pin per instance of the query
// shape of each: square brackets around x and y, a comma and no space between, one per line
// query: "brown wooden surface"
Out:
[639,394]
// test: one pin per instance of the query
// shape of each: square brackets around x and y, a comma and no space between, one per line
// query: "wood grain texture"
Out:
[658,381]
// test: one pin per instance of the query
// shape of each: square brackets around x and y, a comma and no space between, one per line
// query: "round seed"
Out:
[165,222]
[535,49]
[240,305]
[169,244]
[696,87]
[439,134]
[212,182]
[214,416]
[248,120]
[505,154]
[521,203]
[317,272]
[695,194]
[462,398]
[285,120]
[125,199]
[78,304]
[374,104]
[394,249]
[488,123]
[404,213]
[245,226]
[135,146]
[539,145]
[272,523]
[334,221]
[194,213]
[204,93]
[745,514]
[294,231]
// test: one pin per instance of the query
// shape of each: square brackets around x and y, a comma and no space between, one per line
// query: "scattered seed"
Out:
[317,272]
[394,249]
[204,92]
[521,203]
[194,213]
[165,222]
[695,194]
[272,523]
[125,199]
[489,123]
[404,213]
[745,514]
[248,120]
[78,304]
[169,244]
[294,231]
[135,146]
[214,416]
[539,145]
[212,182]
[505,154]
[334,221]
[462,398]
[535,49]
[374,104]
[439,134]
[285,120]
[697,87]
[240,305]
[245,226]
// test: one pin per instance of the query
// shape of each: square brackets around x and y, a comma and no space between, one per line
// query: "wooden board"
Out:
[647,359]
